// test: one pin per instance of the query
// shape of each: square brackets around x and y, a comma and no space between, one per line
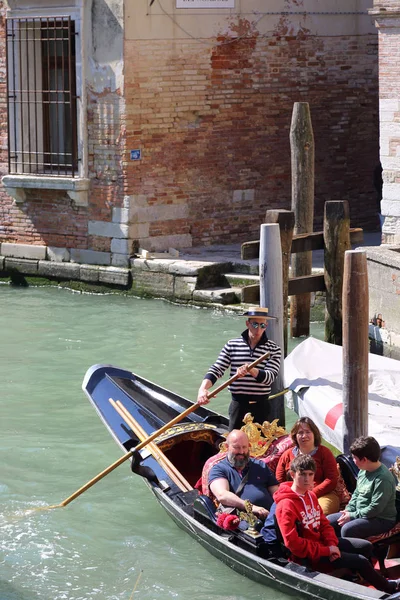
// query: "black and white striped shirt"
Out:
[237,352]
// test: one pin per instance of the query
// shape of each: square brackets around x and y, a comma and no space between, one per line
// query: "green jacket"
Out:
[374,495]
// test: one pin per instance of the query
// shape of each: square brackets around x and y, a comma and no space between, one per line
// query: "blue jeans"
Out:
[360,528]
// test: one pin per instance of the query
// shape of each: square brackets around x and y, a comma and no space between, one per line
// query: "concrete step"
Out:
[250,267]
[218,295]
[242,279]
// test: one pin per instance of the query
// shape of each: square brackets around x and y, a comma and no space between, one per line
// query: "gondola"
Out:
[133,409]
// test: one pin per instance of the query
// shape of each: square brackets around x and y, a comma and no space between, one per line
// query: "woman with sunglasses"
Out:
[307,439]
[250,392]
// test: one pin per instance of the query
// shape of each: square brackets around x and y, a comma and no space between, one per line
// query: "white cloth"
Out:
[314,371]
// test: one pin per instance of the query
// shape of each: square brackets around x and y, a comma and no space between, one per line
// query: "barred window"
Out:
[41,94]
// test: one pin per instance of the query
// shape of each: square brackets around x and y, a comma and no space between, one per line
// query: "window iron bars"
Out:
[41,96]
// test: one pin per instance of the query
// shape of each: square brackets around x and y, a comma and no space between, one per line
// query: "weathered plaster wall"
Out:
[387,20]
[48,216]
[384,296]
[209,96]
[108,229]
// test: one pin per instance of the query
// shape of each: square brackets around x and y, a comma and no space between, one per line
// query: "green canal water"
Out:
[115,535]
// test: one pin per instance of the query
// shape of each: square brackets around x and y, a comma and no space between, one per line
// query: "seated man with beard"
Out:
[238,477]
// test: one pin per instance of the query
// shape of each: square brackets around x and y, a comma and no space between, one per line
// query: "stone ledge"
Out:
[23,251]
[385,255]
[114,276]
[90,257]
[184,288]
[89,273]
[56,254]
[23,266]
[77,188]
[59,270]
[150,283]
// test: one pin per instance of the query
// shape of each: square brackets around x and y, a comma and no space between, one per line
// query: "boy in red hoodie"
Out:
[308,534]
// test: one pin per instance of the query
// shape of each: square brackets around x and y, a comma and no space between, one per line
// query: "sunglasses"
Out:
[257,325]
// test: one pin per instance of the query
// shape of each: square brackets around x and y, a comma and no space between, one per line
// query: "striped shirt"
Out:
[238,352]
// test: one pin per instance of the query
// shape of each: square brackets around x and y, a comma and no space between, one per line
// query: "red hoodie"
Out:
[313,534]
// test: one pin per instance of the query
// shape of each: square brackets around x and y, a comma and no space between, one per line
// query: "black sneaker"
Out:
[395,584]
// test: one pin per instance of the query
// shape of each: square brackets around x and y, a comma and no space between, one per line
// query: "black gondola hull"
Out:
[152,407]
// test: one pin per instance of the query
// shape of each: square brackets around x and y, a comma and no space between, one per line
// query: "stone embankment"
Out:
[214,276]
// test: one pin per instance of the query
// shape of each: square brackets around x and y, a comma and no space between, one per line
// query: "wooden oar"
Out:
[152,437]
[158,454]
[279,394]
[221,387]
[124,458]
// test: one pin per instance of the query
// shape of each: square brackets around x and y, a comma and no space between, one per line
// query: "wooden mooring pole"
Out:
[271,297]
[285,220]
[337,242]
[355,347]
[302,159]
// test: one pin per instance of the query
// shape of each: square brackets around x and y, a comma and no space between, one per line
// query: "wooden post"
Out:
[285,220]
[272,297]
[355,347]
[302,157]
[337,242]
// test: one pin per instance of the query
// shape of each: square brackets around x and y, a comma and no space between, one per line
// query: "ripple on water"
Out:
[52,442]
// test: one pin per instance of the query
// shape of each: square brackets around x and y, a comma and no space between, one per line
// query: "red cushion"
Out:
[208,465]
[275,451]
[383,536]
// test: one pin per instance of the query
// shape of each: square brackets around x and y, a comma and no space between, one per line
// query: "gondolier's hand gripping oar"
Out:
[121,460]
[212,393]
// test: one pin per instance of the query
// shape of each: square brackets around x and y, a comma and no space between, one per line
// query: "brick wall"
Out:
[213,124]
[212,121]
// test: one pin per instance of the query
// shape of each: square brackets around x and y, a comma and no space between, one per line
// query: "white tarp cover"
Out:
[314,371]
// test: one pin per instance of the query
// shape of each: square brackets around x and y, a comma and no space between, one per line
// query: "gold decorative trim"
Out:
[260,436]
[395,470]
[184,428]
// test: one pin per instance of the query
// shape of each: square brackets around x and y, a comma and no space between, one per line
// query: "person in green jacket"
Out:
[372,508]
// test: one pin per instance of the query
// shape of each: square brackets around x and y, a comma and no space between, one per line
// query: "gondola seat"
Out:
[204,507]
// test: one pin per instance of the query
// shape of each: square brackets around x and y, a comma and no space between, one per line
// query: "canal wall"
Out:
[207,278]
[214,279]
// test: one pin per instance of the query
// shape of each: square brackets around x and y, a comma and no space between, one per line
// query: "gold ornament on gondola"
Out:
[260,436]
[395,470]
[250,517]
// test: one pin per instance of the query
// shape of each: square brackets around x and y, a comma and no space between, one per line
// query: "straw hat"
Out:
[257,311]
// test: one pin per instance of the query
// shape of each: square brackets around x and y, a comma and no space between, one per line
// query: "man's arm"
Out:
[269,373]
[214,372]
[220,489]
[327,533]
[272,489]
[351,506]
[202,394]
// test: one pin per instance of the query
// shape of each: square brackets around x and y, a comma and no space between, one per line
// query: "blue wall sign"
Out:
[136,154]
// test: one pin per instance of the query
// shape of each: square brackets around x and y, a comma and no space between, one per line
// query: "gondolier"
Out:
[250,392]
